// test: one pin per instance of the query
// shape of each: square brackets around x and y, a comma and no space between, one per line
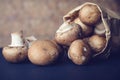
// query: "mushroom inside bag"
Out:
[109,19]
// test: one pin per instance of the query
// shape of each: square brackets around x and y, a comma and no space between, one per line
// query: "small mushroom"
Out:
[86,30]
[89,14]
[67,33]
[30,40]
[17,50]
[43,52]
[100,29]
[97,43]
[79,52]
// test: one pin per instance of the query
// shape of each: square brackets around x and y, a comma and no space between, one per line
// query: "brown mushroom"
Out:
[86,30]
[97,43]
[67,33]
[43,52]
[89,14]
[79,52]
[17,51]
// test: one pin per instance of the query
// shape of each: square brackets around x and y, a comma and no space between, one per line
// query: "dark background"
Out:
[40,18]
[64,69]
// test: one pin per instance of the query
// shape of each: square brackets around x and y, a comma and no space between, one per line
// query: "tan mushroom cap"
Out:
[97,43]
[79,52]
[43,52]
[89,14]
[86,30]
[66,38]
[15,54]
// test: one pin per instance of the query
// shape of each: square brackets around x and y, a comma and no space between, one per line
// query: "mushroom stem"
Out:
[64,27]
[30,40]
[100,29]
[17,39]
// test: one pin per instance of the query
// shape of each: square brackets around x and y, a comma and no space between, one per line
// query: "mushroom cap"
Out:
[15,54]
[97,43]
[89,14]
[86,29]
[79,52]
[43,52]
[67,37]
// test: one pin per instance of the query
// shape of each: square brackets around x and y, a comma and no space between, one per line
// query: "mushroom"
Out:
[67,33]
[43,52]
[17,50]
[86,30]
[79,52]
[100,29]
[89,14]
[30,40]
[97,43]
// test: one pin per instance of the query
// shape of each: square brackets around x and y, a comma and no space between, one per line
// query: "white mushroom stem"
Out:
[100,29]
[30,40]
[66,26]
[17,39]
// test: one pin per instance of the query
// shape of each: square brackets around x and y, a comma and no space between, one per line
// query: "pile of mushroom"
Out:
[83,33]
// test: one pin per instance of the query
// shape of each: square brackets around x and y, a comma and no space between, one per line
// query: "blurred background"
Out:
[40,18]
